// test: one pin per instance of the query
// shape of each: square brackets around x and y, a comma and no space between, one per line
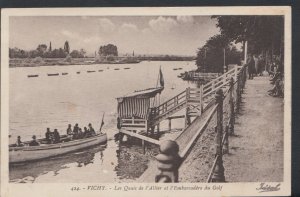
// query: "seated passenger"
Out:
[56,136]
[19,143]
[47,135]
[75,131]
[86,133]
[80,133]
[34,142]
[69,130]
[91,129]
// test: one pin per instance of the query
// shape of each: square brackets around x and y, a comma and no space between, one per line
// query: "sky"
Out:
[172,35]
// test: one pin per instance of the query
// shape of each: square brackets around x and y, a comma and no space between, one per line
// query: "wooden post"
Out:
[238,93]
[170,124]
[235,72]
[218,175]
[168,162]
[143,146]
[201,98]
[231,103]
[226,141]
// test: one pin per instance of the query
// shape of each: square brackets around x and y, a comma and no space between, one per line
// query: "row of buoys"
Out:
[177,68]
[78,72]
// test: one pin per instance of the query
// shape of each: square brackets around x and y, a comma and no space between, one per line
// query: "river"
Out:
[56,101]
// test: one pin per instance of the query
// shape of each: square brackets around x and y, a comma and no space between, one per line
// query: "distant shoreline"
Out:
[36,62]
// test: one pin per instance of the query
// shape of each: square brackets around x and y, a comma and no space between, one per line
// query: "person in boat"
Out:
[75,131]
[80,133]
[69,130]
[86,133]
[92,130]
[19,143]
[48,136]
[34,141]
[56,136]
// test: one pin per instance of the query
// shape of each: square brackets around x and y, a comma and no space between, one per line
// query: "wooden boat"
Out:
[90,71]
[53,74]
[32,75]
[175,68]
[126,68]
[117,69]
[179,68]
[78,72]
[100,70]
[64,73]
[31,153]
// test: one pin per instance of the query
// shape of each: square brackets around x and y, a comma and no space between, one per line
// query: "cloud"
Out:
[185,19]
[106,25]
[128,28]
[92,39]
[69,34]
[162,24]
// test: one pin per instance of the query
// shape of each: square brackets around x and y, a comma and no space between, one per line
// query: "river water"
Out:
[56,101]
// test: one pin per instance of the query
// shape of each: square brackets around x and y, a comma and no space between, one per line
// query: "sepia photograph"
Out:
[144,100]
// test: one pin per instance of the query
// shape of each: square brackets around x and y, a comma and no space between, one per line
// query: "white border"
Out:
[52,189]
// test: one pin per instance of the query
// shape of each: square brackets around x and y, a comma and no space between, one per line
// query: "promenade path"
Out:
[256,150]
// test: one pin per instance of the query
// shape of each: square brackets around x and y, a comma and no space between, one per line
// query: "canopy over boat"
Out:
[136,104]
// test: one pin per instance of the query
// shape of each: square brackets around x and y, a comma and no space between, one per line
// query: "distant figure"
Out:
[19,142]
[69,130]
[92,130]
[255,64]
[56,136]
[251,66]
[34,142]
[48,136]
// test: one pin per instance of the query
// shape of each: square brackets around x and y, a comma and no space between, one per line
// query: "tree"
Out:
[210,57]
[108,50]
[67,47]
[41,49]
[263,33]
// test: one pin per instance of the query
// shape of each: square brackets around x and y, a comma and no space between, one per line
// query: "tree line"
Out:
[264,35]
[44,51]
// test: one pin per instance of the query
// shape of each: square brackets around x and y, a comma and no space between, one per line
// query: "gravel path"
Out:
[256,152]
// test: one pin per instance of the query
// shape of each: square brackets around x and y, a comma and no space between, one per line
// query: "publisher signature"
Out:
[268,188]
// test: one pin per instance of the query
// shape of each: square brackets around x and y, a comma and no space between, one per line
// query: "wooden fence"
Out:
[173,153]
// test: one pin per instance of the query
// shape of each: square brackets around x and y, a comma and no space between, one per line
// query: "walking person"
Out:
[251,66]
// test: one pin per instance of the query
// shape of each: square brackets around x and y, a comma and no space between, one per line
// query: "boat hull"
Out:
[32,153]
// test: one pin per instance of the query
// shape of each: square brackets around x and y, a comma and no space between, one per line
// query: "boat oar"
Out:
[102,122]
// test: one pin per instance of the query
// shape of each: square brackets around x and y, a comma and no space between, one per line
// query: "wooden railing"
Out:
[201,96]
[172,155]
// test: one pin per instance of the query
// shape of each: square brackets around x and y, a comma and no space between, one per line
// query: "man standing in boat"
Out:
[56,136]
[69,130]
[75,130]
[48,136]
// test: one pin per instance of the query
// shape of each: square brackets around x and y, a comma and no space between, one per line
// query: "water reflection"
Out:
[31,170]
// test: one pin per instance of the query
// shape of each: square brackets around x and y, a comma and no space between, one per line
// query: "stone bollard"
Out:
[218,175]
[168,162]
[231,103]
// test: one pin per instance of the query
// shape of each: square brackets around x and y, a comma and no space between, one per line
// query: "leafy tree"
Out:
[67,47]
[210,57]
[108,50]
[263,33]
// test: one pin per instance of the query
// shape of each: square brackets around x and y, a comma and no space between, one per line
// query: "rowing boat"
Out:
[31,153]
[32,75]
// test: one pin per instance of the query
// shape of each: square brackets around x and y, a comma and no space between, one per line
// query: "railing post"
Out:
[231,103]
[235,72]
[168,162]
[170,126]
[201,98]
[226,141]
[218,175]
[238,93]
